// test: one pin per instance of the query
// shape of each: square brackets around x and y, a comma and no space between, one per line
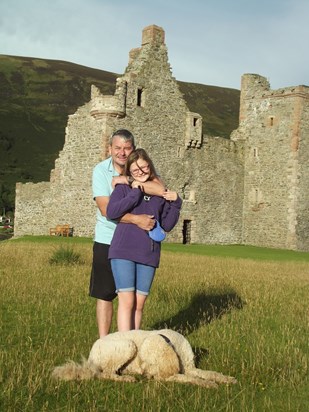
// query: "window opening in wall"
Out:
[178,151]
[139,97]
[186,232]
[271,121]
[192,196]
[195,119]
[255,152]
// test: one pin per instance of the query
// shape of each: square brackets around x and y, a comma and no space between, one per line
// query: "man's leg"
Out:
[102,287]
[104,316]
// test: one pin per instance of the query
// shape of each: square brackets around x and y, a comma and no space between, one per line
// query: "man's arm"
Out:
[145,222]
[153,187]
[102,202]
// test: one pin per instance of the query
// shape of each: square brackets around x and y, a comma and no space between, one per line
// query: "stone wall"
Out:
[32,200]
[250,189]
[275,164]
[302,215]
[67,197]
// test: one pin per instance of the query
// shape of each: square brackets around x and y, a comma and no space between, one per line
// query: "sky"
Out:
[211,42]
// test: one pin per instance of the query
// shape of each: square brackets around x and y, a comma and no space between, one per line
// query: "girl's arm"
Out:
[170,214]
[121,201]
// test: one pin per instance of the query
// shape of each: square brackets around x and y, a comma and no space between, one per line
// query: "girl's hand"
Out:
[119,180]
[170,195]
[137,185]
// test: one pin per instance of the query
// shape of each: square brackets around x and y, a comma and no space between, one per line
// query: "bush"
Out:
[65,256]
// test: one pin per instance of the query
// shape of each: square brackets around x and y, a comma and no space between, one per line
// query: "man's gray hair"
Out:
[125,134]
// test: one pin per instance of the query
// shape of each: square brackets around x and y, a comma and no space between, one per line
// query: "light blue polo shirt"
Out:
[102,186]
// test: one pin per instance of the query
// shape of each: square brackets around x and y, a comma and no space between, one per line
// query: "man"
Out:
[102,286]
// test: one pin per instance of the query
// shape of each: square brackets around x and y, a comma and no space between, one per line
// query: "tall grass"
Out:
[244,317]
[65,256]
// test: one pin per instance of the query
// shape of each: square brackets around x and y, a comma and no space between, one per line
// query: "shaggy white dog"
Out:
[159,354]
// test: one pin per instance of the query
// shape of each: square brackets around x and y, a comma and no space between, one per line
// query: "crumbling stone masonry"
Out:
[249,189]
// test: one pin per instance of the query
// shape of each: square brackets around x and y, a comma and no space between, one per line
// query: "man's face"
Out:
[119,151]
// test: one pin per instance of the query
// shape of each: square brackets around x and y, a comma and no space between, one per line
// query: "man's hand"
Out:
[145,222]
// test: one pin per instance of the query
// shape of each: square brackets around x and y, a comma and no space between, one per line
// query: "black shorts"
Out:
[102,285]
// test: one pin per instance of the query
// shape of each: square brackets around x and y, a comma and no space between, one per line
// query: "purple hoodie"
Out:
[129,241]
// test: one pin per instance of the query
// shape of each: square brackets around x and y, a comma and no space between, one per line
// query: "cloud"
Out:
[209,42]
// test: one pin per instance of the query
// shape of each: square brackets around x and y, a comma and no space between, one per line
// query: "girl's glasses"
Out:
[142,169]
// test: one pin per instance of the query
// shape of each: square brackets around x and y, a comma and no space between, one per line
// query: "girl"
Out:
[134,255]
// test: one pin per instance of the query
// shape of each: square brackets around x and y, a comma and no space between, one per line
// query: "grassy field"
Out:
[244,310]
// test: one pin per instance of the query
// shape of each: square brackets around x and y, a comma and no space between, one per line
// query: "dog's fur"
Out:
[159,354]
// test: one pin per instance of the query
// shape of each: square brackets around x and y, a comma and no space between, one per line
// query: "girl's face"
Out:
[140,170]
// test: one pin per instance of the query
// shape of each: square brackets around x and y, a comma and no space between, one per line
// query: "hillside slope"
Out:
[36,97]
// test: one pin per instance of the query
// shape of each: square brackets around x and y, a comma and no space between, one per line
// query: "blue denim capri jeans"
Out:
[131,276]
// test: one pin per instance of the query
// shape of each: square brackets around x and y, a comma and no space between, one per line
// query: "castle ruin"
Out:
[249,189]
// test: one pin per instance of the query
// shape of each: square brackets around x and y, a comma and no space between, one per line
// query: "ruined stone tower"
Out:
[248,189]
[274,125]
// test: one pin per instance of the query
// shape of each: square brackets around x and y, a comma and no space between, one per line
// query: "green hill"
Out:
[36,97]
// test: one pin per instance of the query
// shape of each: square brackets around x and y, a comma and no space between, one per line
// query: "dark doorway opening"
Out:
[140,97]
[186,232]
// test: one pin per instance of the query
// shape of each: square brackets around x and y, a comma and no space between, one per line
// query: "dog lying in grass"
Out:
[158,354]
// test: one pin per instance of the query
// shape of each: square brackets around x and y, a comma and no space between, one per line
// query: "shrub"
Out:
[65,256]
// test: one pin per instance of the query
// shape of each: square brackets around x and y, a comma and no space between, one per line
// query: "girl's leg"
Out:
[124,275]
[139,306]
[126,304]
[144,278]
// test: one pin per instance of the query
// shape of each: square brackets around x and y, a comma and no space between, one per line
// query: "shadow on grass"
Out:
[202,310]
